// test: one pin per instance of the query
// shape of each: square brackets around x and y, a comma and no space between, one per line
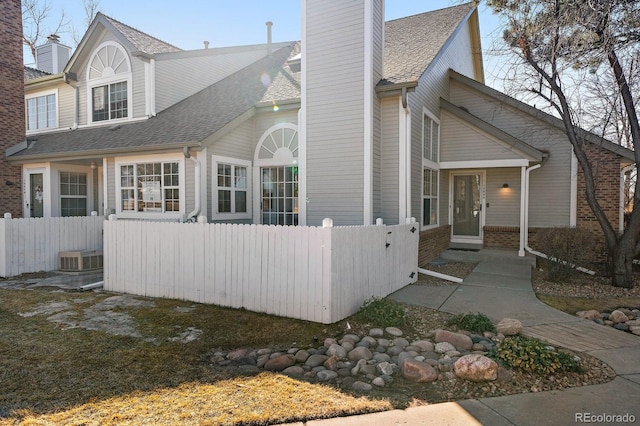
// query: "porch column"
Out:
[523,210]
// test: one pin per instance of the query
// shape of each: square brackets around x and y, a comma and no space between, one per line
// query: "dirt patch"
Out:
[111,315]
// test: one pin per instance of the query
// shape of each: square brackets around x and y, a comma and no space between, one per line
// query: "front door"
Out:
[35,198]
[468,196]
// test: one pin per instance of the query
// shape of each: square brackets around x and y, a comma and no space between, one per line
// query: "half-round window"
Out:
[278,145]
[107,61]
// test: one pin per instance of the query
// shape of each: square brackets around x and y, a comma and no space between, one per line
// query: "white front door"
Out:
[467,207]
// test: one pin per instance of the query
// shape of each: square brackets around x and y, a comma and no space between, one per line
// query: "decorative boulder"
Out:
[417,371]
[590,315]
[360,353]
[460,341]
[618,317]
[509,327]
[280,363]
[476,367]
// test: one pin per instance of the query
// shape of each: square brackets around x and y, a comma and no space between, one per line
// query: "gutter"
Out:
[196,210]
[526,226]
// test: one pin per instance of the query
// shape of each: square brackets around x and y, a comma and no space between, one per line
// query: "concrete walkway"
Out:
[500,286]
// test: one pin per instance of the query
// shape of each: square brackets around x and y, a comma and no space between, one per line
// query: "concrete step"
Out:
[477,255]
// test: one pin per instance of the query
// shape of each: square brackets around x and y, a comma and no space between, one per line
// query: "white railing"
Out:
[32,245]
[311,273]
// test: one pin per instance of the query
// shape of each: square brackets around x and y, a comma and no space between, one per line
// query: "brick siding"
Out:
[606,169]
[432,243]
[12,115]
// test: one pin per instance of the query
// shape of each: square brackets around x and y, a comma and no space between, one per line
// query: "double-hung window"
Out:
[109,101]
[73,194]
[431,169]
[151,187]
[42,111]
[231,188]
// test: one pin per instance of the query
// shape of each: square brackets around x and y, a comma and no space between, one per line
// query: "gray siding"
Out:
[377,64]
[179,78]
[335,111]
[550,186]
[110,176]
[390,161]
[66,106]
[44,58]
[461,142]
[504,204]
[433,85]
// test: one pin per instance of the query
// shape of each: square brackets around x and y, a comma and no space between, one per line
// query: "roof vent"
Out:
[269,24]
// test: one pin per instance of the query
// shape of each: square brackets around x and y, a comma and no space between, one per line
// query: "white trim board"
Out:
[483,164]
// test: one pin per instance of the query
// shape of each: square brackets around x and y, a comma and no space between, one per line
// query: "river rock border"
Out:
[376,359]
[621,319]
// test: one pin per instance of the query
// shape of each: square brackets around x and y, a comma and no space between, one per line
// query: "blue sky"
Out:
[188,23]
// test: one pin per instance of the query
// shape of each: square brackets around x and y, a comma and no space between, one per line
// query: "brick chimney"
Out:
[12,119]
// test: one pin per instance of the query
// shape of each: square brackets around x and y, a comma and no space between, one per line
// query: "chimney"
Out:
[52,56]
[12,119]
[269,24]
[206,44]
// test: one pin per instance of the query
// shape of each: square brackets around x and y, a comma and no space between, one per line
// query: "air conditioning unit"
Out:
[80,261]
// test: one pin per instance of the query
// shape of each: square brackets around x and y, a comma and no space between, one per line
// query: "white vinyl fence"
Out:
[32,245]
[311,273]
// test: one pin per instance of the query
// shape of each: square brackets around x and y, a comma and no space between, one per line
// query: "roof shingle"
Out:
[142,41]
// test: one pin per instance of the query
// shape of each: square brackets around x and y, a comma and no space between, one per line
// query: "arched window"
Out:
[276,164]
[108,83]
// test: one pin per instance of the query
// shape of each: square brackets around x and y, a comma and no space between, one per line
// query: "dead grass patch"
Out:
[263,399]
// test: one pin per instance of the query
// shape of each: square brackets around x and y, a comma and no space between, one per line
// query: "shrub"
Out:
[532,355]
[570,246]
[382,312]
[475,323]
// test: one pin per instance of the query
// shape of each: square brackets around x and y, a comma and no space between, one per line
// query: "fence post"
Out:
[113,217]
[327,222]
[7,215]
[379,221]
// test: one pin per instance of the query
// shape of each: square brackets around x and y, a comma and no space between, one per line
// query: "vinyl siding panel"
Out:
[461,142]
[110,176]
[138,88]
[179,78]
[443,200]
[390,161]
[434,84]
[550,186]
[66,106]
[504,203]
[335,112]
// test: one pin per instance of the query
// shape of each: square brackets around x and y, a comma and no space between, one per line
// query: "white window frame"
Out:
[77,196]
[39,95]
[432,164]
[169,158]
[106,81]
[217,159]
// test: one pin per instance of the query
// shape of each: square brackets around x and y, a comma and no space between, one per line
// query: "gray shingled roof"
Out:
[142,41]
[286,84]
[411,43]
[31,73]
[188,122]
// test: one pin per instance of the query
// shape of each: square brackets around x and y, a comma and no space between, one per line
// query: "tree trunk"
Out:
[622,267]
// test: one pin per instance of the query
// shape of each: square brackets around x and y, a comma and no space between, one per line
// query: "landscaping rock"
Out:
[361,386]
[477,368]
[337,351]
[280,363]
[618,317]
[509,327]
[360,353]
[589,315]
[458,340]
[395,332]
[443,347]
[316,360]
[418,371]
[326,375]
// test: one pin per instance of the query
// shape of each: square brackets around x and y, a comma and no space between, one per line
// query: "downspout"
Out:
[196,210]
[526,224]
